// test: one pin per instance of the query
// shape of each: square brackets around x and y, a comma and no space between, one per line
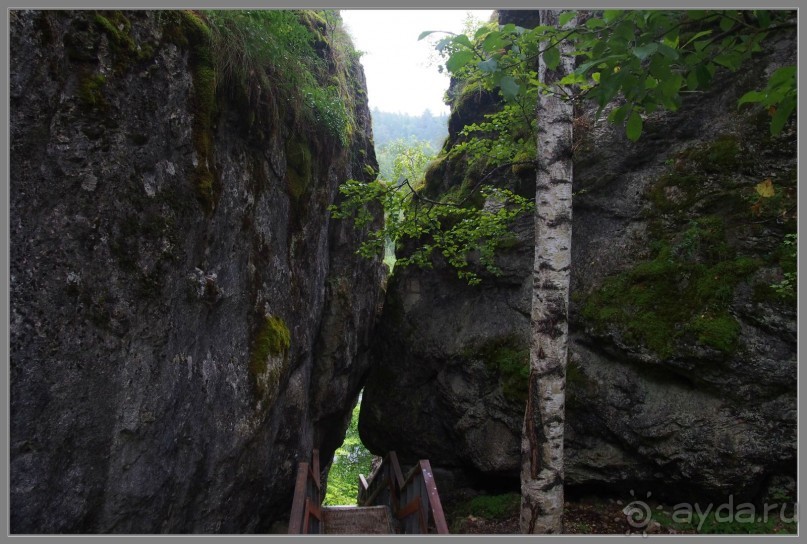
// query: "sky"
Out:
[401,71]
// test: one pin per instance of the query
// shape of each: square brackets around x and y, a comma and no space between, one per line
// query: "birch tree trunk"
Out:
[542,471]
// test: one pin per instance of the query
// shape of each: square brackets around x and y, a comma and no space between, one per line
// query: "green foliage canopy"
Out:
[648,58]
[641,60]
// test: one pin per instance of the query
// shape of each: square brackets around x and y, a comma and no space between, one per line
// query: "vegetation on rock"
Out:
[269,354]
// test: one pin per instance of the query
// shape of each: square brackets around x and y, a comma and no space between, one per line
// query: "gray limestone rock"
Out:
[137,307]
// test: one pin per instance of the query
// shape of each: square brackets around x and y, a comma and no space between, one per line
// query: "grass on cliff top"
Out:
[300,56]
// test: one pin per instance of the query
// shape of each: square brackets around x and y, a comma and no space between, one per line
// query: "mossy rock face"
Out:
[90,91]
[656,302]
[118,28]
[697,212]
[509,358]
[299,171]
[269,357]
[197,35]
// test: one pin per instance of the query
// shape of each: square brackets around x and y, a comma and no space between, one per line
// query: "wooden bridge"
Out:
[390,503]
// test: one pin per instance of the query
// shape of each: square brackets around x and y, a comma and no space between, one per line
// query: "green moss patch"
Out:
[718,331]
[118,29]
[272,339]
[685,288]
[203,105]
[509,358]
[269,355]
[682,292]
[90,91]
[299,171]
[723,155]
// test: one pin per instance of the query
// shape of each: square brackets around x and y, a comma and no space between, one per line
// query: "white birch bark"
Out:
[542,471]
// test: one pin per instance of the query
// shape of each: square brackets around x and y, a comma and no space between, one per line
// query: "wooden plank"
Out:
[314,510]
[374,493]
[434,497]
[298,503]
[396,467]
[409,509]
[361,495]
[306,517]
[315,467]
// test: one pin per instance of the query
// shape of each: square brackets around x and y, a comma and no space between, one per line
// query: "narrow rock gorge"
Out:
[188,320]
[185,325]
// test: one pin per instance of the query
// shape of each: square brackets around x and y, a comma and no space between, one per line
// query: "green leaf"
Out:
[660,67]
[566,17]
[572,79]
[617,115]
[784,75]
[493,42]
[671,85]
[698,35]
[692,81]
[634,126]
[463,40]
[697,15]
[625,31]
[726,24]
[668,51]
[509,87]
[595,23]
[610,14]
[552,58]
[763,17]
[583,68]
[459,60]
[644,51]
[781,116]
[426,33]
[731,60]
[488,66]
[704,75]
[751,97]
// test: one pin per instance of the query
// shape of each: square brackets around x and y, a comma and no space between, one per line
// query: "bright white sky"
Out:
[399,77]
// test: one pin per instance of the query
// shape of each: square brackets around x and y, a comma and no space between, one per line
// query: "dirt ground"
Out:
[593,516]
[588,518]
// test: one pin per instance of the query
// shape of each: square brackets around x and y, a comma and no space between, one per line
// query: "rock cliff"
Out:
[682,364]
[185,323]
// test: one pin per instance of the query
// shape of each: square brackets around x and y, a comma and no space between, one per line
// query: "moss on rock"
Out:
[197,35]
[656,302]
[90,91]
[269,356]
[299,169]
[118,28]
[509,358]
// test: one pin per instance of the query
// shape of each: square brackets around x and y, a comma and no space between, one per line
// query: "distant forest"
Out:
[388,127]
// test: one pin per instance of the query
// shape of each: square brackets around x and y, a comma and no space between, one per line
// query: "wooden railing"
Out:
[306,512]
[412,499]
